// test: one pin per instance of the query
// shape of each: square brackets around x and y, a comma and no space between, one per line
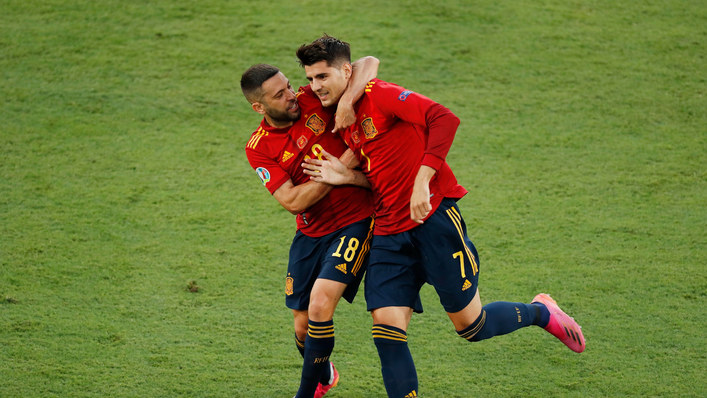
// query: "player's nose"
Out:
[316,85]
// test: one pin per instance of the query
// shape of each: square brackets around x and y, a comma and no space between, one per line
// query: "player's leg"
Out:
[343,263]
[392,292]
[302,273]
[476,323]
[390,337]
[502,317]
[301,324]
[454,275]
[318,373]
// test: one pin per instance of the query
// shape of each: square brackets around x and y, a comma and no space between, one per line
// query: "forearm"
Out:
[300,197]
[424,175]
[364,70]
[360,180]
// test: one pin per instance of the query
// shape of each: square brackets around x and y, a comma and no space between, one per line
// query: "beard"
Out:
[283,116]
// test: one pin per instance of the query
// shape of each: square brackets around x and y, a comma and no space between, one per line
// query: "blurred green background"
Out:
[140,255]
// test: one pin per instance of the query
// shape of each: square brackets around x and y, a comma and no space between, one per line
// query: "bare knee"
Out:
[464,318]
[321,308]
[398,317]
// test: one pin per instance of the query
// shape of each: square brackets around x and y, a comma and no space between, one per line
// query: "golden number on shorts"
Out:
[350,251]
[461,261]
[338,249]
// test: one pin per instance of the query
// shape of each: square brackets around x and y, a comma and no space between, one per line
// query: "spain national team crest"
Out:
[301,142]
[369,130]
[355,137]
[289,286]
[316,124]
[264,174]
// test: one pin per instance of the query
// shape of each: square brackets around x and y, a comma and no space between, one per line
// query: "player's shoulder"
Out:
[258,141]
[377,88]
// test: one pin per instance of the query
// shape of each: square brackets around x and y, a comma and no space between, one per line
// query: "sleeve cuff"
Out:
[433,161]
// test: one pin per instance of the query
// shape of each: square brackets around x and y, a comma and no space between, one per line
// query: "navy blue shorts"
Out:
[438,252]
[340,256]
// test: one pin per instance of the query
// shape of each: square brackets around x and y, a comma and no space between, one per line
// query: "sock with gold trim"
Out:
[397,366]
[300,345]
[326,374]
[317,348]
[503,317]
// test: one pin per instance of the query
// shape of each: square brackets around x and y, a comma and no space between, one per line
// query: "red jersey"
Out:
[397,131]
[277,154]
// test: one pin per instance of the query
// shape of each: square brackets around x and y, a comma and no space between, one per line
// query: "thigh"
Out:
[346,257]
[451,262]
[302,270]
[392,279]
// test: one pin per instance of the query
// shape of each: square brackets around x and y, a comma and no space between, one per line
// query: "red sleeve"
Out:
[269,171]
[415,108]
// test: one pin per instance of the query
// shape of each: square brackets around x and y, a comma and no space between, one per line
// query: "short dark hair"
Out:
[253,79]
[326,48]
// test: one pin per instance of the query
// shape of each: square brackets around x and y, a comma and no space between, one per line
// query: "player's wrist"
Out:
[424,175]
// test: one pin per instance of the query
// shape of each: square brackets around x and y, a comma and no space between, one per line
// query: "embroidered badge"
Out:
[316,124]
[369,130]
[264,174]
[355,137]
[404,95]
[301,142]
[289,286]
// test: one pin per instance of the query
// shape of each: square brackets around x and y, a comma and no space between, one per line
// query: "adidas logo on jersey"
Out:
[286,156]
[467,285]
[413,394]
[341,267]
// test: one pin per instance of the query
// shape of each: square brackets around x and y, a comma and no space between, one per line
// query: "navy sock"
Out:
[544,317]
[326,374]
[397,367]
[317,348]
[300,345]
[502,317]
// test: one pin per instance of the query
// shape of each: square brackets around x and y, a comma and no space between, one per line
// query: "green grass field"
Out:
[123,182]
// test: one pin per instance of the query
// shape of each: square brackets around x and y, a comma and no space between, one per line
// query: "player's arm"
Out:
[364,70]
[297,198]
[333,171]
[442,125]
[294,198]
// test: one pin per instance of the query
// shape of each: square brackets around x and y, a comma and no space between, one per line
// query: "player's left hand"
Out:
[420,205]
[345,117]
[330,171]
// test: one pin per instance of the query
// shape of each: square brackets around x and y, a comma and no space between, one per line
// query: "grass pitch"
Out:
[139,255]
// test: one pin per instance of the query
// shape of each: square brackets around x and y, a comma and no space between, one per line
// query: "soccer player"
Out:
[402,139]
[328,255]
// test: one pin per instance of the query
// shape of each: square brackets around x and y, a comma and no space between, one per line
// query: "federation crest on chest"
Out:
[369,130]
[316,124]
[301,142]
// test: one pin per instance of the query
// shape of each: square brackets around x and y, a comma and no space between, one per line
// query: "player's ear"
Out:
[258,107]
[347,69]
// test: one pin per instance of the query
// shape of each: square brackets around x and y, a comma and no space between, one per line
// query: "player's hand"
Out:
[420,205]
[330,171]
[345,117]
